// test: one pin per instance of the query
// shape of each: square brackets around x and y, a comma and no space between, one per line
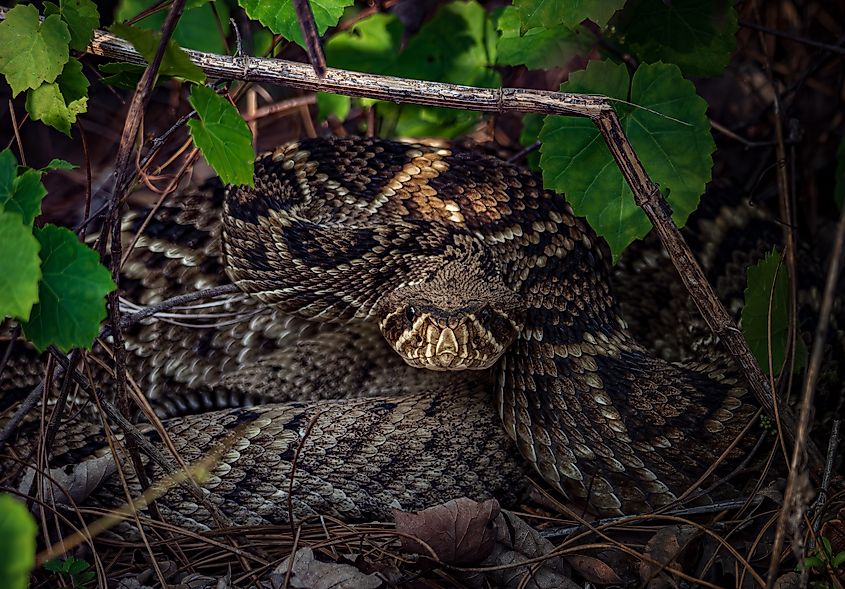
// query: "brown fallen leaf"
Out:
[309,573]
[77,483]
[791,580]
[460,531]
[664,547]
[594,570]
[517,542]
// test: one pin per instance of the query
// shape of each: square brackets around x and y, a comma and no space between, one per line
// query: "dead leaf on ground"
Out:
[664,547]
[309,573]
[460,531]
[790,580]
[77,483]
[594,570]
[517,542]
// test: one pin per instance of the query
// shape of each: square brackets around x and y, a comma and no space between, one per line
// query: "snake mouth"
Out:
[429,338]
[444,348]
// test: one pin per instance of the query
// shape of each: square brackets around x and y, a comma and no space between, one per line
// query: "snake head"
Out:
[449,326]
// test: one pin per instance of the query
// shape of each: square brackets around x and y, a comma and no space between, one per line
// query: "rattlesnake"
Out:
[460,261]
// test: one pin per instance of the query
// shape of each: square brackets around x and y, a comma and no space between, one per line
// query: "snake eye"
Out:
[410,314]
[484,315]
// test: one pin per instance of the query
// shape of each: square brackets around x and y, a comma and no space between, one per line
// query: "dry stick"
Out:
[16,130]
[788,231]
[305,16]
[647,197]
[122,178]
[796,38]
[833,444]
[795,471]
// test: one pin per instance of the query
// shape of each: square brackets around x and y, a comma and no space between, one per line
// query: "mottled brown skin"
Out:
[599,417]
[364,248]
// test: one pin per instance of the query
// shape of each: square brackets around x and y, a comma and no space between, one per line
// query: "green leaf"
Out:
[222,136]
[839,185]
[124,75]
[697,35]
[769,278]
[197,27]
[32,52]
[370,45]
[175,63]
[71,294]
[539,47]
[26,196]
[20,268]
[20,194]
[675,151]
[457,46]
[332,104]
[280,17]
[81,17]
[58,104]
[17,543]
[57,164]
[8,173]
[570,13]
[532,124]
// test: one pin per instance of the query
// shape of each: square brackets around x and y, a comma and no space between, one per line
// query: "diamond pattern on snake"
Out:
[444,325]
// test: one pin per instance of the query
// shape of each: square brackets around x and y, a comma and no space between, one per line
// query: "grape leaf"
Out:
[57,164]
[769,278]
[20,267]
[197,27]
[370,45]
[839,185]
[697,35]
[458,46]
[21,194]
[71,294]
[675,151]
[175,63]
[222,136]
[81,17]
[532,124]
[17,543]
[538,47]
[570,13]
[58,104]
[333,104]
[280,16]
[8,173]
[125,75]
[32,52]
[26,196]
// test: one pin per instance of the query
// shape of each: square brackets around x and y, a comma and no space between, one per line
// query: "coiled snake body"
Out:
[496,297]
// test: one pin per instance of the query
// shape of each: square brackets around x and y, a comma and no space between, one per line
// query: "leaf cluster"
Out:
[76,571]
[35,58]
[54,284]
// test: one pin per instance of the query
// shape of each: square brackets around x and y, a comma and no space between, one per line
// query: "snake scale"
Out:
[464,312]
